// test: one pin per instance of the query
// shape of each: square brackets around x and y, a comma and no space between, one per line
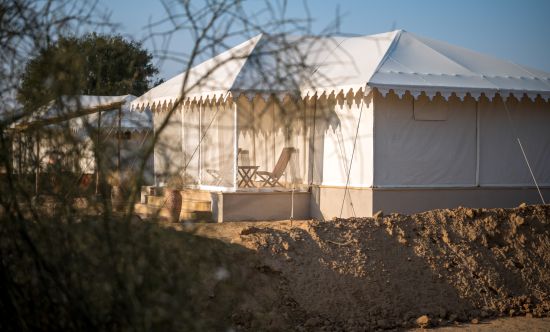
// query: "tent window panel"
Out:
[191,144]
[499,146]
[217,146]
[425,109]
[168,152]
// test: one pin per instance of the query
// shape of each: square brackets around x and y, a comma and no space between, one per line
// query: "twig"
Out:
[339,243]
[541,292]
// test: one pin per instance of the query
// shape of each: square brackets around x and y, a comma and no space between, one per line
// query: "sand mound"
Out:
[449,265]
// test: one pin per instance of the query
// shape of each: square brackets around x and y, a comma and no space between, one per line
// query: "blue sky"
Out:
[514,30]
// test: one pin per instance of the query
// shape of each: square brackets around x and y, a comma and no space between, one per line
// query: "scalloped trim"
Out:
[347,92]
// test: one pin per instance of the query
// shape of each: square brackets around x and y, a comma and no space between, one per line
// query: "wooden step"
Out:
[204,206]
[185,215]
[196,195]
[156,201]
[193,194]
[186,204]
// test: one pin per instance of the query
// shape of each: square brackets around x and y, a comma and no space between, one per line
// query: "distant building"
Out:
[66,132]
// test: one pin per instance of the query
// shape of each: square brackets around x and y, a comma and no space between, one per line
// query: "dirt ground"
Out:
[514,324]
[437,268]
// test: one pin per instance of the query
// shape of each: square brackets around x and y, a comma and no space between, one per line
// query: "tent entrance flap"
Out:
[217,145]
[196,148]
[266,128]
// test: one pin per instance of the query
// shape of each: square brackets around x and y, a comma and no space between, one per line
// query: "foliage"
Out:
[87,275]
[90,65]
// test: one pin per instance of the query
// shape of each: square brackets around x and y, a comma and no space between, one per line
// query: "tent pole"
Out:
[19,157]
[97,154]
[118,140]
[304,140]
[235,145]
[154,157]
[201,110]
[183,156]
[273,130]
[478,139]
[312,168]
[255,131]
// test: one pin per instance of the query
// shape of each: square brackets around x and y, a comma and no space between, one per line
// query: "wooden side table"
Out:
[247,174]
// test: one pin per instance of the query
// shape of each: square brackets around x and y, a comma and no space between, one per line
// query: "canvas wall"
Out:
[424,143]
[460,143]
[337,130]
[190,131]
[197,145]
[168,157]
[501,159]
[217,146]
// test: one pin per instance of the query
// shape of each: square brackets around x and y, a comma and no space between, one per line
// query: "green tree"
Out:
[93,65]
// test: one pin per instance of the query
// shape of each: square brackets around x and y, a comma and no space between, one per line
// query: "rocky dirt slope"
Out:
[400,271]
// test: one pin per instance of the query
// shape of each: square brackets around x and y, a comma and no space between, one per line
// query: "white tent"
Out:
[394,121]
[67,130]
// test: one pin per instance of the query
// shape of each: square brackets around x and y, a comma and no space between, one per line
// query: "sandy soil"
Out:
[433,269]
[514,324]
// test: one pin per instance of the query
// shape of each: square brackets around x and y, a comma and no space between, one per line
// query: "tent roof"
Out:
[212,78]
[80,110]
[130,120]
[396,60]
[418,64]
[311,64]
